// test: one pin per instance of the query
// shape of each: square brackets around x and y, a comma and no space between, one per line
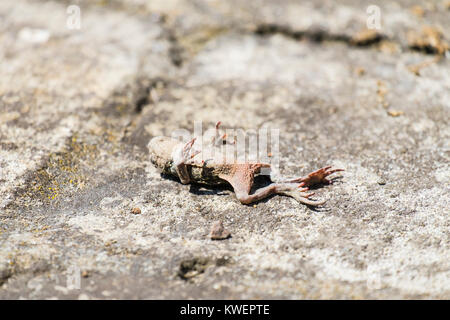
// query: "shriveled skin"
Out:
[190,166]
[163,155]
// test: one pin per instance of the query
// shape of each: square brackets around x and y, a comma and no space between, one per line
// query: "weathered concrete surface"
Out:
[79,106]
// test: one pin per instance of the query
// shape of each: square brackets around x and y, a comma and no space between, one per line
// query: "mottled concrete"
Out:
[78,107]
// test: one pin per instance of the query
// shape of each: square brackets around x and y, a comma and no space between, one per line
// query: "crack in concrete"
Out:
[363,39]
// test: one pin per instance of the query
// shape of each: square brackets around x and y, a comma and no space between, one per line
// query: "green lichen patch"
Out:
[61,174]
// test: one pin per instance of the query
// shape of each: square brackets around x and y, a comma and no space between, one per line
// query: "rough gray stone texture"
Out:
[77,108]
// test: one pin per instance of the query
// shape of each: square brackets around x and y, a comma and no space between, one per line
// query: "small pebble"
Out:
[218,232]
[136,211]
[360,71]
[395,113]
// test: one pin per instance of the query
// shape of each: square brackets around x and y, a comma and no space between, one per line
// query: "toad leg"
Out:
[181,155]
[242,180]
[293,190]
[220,139]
